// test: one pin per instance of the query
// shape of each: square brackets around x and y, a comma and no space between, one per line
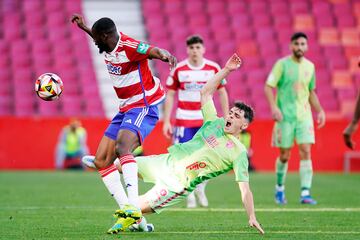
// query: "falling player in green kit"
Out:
[215,149]
[294,78]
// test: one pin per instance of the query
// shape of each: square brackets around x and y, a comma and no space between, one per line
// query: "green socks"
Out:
[306,174]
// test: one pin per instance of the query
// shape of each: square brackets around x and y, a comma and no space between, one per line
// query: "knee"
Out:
[122,148]
[305,153]
[284,156]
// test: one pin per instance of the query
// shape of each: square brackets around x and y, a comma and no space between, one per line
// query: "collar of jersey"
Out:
[193,67]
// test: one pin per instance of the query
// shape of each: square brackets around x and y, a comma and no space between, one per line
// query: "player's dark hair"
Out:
[104,25]
[298,35]
[194,39]
[248,111]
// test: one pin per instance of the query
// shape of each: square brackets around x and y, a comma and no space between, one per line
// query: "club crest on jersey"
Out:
[211,141]
[163,192]
[113,69]
[196,165]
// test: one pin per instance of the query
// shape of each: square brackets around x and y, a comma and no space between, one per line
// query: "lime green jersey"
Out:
[209,153]
[293,81]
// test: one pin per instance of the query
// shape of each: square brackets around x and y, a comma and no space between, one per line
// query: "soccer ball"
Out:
[49,86]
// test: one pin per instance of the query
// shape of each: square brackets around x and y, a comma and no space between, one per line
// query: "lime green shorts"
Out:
[285,132]
[168,190]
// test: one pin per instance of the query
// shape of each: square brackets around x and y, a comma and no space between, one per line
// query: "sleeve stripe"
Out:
[132,45]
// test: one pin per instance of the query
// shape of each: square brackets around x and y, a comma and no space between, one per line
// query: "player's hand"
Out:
[233,63]
[78,19]
[321,119]
[349,130]
[167,57]
[167,130]
[255,224]
[276,114]
[172,62]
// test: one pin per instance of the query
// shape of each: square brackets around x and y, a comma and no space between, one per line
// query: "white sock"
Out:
[200,188]
[305,192]
[191,200]
[130,174]
[143,224]
[111,178]
[280,188]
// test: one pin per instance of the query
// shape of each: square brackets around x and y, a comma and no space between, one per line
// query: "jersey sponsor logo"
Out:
[211,141]
[113,69]
[193,86]
[142,48]
[196,166]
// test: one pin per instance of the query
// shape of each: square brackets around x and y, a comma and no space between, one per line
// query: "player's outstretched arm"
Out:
[163,55]
[248,201]
[210,87]
[79,20]
[275,111]
[315,103]
[353,125]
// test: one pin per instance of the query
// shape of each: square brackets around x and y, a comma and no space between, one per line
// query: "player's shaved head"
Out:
[248,111]
[105,34]
[104,25]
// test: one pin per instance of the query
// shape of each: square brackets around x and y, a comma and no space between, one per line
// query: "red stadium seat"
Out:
[247,48]
[351,52]
[48,109]
[299,7]
[350,37]
[304,22]
[341,79]
[346,21]
[279,8]
[329,36]
[354,65]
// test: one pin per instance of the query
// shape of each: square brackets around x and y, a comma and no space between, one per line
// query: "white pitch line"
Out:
[266,233]
[189,210]
[265,210]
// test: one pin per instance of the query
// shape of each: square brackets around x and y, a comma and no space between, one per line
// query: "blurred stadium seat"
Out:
[33,42]
[260,32]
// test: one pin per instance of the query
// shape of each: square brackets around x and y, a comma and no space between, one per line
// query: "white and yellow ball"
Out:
[49,86]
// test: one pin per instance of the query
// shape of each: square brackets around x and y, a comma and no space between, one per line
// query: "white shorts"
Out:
[168,190]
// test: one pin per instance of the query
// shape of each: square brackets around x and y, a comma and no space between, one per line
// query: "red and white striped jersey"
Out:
[188,81]
[132,79]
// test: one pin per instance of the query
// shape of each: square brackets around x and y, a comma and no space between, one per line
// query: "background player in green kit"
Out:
[215,149]
[294,78]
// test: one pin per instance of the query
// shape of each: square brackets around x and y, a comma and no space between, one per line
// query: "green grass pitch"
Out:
[76,205]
